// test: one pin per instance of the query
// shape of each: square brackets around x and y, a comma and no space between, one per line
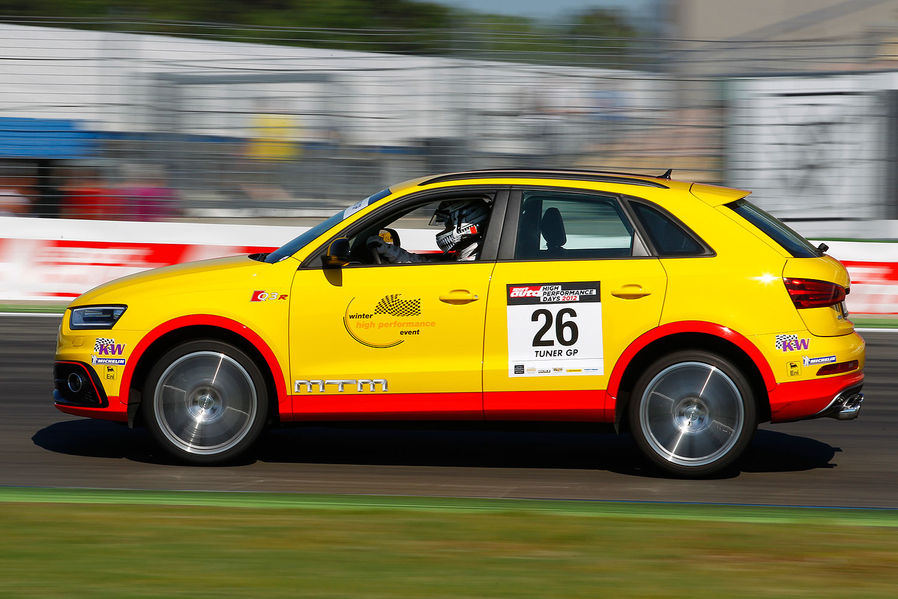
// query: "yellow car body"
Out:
[556,334]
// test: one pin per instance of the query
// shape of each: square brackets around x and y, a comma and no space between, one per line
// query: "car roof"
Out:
[710,194]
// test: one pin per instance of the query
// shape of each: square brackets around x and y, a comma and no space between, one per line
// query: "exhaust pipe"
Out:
[850,407]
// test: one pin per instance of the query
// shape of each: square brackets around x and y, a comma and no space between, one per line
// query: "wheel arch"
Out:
[177,331]
[697,336]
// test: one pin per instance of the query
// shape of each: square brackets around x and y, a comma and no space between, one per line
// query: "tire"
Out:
[205,402]
[692,413]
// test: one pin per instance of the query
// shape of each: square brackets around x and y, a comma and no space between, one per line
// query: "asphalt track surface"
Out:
[813,463]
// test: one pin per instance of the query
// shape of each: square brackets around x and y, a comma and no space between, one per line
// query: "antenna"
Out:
[666,174]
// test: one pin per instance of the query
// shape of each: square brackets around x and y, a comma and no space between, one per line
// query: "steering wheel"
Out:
[389,236]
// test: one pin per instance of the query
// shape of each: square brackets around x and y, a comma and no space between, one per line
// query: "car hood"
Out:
[210,274]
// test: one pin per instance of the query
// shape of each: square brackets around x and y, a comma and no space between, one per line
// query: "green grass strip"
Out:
[601,509]
[148,544]
[33,308]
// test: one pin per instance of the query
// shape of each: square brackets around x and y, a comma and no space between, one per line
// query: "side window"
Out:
[445,230]
[558,225]
[668,237]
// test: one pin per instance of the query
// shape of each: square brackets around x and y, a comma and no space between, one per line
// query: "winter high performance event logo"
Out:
[391,321]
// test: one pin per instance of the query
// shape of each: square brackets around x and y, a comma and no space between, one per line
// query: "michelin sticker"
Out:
[554,329]
[816,361]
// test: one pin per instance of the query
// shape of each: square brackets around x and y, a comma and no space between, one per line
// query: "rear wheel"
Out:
[205,402]
[692,413]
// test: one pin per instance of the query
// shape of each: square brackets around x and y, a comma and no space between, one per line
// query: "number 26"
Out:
[566,332]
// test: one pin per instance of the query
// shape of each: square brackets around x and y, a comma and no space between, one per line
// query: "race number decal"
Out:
[554,329]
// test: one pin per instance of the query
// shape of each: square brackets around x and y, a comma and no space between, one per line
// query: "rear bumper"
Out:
[837,396]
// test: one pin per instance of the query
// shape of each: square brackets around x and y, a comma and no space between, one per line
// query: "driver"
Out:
[464,223]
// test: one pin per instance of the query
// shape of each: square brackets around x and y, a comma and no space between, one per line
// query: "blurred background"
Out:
[276,111]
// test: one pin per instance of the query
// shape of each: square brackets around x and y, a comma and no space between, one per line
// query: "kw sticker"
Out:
[789,343]
[105,348]
[389,323]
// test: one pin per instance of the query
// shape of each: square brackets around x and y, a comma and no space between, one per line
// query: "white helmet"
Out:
[464,220]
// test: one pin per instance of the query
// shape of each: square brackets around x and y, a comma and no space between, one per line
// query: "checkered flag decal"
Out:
[394,306]
[782,340]
[104,342]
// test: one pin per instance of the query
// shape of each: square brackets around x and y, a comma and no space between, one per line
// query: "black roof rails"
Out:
[567,174]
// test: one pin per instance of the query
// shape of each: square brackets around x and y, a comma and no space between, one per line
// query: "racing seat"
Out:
[552,228]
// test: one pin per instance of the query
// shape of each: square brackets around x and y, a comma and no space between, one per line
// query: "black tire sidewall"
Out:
[749,404]
[148,401]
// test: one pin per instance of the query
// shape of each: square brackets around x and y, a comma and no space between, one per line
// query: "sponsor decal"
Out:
[107,361]
[264,296]
[789,343]
[104,346]
[320,385]
[391,321]
[794,369]
[110,373]
[552,293]
[816,361]
[554,329]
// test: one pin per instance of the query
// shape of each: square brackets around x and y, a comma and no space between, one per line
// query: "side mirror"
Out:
[337,254]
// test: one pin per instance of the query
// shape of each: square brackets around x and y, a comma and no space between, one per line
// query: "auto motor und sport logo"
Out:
[552,293]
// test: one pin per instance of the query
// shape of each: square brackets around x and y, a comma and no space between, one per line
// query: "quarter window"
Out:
[668,237]
[558,225]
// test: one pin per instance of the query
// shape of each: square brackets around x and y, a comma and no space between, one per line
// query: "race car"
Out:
[677,311]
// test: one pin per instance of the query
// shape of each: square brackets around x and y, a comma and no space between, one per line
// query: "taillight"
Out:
[811,293]
[837,368]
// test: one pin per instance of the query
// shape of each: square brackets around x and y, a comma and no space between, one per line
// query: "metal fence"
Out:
[121,124]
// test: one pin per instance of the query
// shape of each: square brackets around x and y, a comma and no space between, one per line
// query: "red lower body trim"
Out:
[388,406]
[586,406]
[116,411]
[805,399]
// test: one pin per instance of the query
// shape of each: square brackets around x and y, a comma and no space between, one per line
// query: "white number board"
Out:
[554,329]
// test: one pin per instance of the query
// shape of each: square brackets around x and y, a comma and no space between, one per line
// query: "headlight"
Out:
[95,317]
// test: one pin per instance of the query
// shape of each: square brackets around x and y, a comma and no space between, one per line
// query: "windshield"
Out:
[296,244]
[791,241]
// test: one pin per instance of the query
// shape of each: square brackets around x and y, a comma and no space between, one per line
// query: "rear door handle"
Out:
[630,291]
[458,296]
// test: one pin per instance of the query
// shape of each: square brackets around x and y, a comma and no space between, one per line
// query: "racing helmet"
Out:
[462,219]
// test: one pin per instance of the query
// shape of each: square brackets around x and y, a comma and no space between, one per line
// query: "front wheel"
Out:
[205,402]
[692,413]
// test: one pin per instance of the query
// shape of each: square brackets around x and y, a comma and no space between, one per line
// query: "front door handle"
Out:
[458,296]
[630,291]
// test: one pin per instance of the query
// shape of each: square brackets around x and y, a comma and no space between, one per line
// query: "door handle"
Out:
[630,291]
[458,296]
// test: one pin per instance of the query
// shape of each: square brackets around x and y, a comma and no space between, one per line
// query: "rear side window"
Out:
[790,241]
[564,225]
[668,237]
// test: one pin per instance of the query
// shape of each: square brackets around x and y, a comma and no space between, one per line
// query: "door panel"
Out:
[402,341]
[574,288]
[551,358]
